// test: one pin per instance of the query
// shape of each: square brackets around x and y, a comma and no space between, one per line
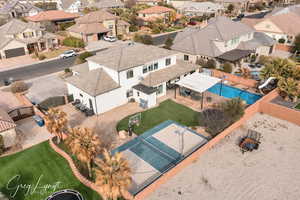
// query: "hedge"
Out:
[73,42]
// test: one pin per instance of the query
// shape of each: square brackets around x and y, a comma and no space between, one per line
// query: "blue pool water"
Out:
[233,92]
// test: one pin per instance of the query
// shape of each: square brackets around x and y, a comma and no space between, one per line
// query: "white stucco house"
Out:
[71,6]
[119,74]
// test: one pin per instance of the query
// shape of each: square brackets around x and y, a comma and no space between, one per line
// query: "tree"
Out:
[233,109]
[113,175]
[56,123]
[230,8]
[18,86]
[289,87]
[227,67]
[297,43]
[145,39]
[84,144]
[2,146]
[168,43]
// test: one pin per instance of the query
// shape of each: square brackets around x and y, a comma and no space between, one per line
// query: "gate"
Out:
[21,113]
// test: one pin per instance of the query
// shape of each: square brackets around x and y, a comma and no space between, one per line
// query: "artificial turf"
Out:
[167,110]
[33,173]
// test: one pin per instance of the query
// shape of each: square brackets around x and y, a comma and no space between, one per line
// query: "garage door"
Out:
[14,52]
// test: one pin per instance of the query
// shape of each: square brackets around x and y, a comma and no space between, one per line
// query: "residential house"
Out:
[7,129]
[52,18]
[72,6]
[107,4]
[191,8]
[117,75]
[18,38]
[15,9]
[149,2]
[281,23]
[94,25]
[156,12]
[240,6]
[222,40]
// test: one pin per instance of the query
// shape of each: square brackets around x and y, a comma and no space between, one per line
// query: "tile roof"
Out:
[235,54]
[94,82]
[15,26]
[155,9]
[200,41]
[52,15]
[96,17]
[6,122]
[129,55]
[169,73]
[90,28]
[259,39]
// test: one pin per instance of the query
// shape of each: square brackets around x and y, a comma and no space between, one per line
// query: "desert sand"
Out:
[224,173]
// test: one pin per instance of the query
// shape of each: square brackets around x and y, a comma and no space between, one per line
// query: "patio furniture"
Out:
[77,101]
[250,142]
[83,108]
[77,106]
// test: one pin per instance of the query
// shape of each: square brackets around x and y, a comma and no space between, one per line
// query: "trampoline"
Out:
[158,150]
[66,195]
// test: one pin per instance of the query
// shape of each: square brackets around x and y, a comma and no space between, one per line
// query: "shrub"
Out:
[281,40]
[253,58]
[264,59]
[133,28]
[2,147]
[120,37]
[211,64]
[18,86]
[73,42]
[64,26]
[82,57]
[168,43]
[233,109]
[227,67]
[145,39]
[41,57]
[68,70]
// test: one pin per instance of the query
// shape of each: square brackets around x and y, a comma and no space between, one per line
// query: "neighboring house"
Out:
[136,71]
[190,8]
[222,40]
[153,13]
[15,9]
[94,25]
[18,38]
[72,6]
[7,129]
[149,2]
[50,19]
[281,23]
[107,4]
[240,6]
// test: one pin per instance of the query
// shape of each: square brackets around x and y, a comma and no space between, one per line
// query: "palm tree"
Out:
[279,68]
[113,175]
[56,122]
[290,87]
[84,144]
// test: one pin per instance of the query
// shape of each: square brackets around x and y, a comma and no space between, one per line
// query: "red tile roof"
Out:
[52,15]
[6,122]
[155,9]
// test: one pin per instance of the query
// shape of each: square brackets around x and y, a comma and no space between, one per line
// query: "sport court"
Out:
[157,150]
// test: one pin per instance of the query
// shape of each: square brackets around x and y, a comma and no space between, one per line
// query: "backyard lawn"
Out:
[298,106]
[39,169]
[167,110]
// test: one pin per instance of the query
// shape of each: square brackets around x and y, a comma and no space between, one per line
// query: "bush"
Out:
[68,70]
[211,64]
[227,67]
[18,86]
[281,40]
[2,147]
[253,58]
[233,109]
[73,42]
[168,43]
[120,37]
[64,26]
[41,57]
[82,57]
[145,39]
[133,28]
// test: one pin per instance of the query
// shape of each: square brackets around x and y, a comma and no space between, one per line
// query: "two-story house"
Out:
[72,6]
[156,12]
[149,2]
[191,8]
[223,40]
[18,38]
[16,9]
[130,71]
[94,25]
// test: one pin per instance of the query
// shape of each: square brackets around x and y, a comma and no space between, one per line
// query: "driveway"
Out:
[8,100]
[30,133]
[16,61]
[44,87]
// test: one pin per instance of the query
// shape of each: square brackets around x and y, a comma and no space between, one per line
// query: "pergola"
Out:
[199,83]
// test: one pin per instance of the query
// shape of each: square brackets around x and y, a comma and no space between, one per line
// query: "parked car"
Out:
[68,54]
[110,38]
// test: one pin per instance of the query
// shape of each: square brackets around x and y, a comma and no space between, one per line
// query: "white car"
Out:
[68,54]
[110,38]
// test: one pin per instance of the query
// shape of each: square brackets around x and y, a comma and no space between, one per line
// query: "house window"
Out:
[80,95]
[155,66]
[186,57]
[145,69]
[159,89]
[129,93]
[150,68]
[168,61]
[138,94]
[129,74]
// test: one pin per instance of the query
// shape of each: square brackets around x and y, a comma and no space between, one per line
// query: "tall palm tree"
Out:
[290,87]
[113,175]
[279,68]
[84,144]
[56,122]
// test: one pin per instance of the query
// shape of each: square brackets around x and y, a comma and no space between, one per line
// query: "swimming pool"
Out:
[233,92]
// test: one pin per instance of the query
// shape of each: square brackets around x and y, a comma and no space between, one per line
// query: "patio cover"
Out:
[198,82]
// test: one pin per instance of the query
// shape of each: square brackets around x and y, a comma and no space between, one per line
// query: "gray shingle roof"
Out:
[10,5]
[200,41]
[259,39]
[94,82]
[129,55]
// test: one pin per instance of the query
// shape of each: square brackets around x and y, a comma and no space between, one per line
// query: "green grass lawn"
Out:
[298,106]
[167,110]
[38,162]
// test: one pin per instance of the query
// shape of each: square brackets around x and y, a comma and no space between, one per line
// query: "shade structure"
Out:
[198,82]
